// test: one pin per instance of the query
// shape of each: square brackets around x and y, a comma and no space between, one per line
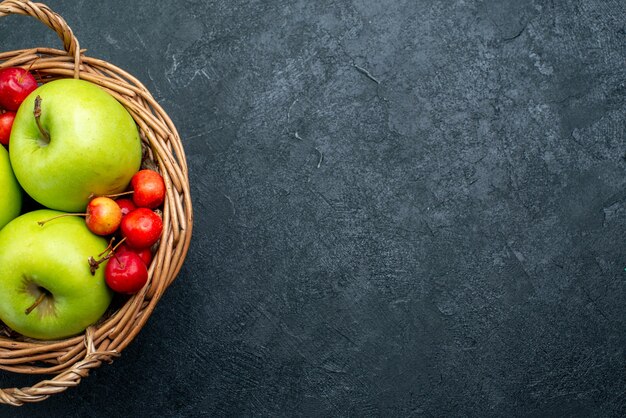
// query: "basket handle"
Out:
[46,16]
[69,378]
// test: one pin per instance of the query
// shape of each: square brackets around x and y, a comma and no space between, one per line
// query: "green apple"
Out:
[45,268]
[84,142]
[11,201]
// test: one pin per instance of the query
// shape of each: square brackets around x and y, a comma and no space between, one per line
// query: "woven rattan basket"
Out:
[71,359]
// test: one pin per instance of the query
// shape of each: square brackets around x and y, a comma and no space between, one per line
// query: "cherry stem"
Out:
[29,68]
[118,244]
[110,196]
[37,302]
[108,248]
[37,113]
[122,265]
[42,223]
[94,264]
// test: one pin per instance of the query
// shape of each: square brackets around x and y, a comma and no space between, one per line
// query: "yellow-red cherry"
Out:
[103,216]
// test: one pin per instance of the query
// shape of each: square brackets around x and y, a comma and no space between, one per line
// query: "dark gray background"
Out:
[443,237]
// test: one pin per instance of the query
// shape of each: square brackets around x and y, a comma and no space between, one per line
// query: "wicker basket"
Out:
[71,359]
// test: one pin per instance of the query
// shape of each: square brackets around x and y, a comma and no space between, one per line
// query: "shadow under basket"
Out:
[71,359]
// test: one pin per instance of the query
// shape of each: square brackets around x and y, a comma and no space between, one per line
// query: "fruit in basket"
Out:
[103,216]
[6,122]
[126,205]
[126,272]
[148,189]
[15,84]
[141,228]
[46,288]
[11,201]
[72,140]
[144,253]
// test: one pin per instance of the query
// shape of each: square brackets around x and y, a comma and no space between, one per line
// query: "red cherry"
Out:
[103,216]
[126,273]
[148,189]
[126,205]
[144,253]
[6,123]
[142,228]
[15,84]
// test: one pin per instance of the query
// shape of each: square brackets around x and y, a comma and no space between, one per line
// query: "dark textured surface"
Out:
[406,208]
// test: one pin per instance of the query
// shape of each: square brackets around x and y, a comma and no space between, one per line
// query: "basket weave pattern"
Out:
[71,359]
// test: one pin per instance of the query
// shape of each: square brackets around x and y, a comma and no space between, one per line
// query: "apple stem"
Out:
[42,223]
[37,113]
[36,303]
